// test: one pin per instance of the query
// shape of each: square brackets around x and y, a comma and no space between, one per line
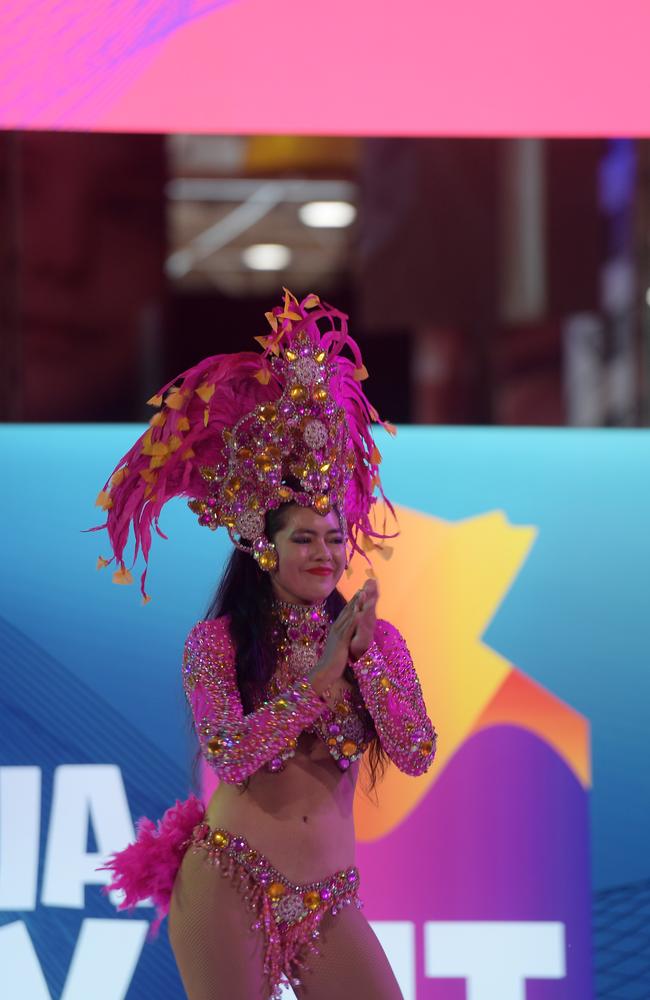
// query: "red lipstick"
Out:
[320,571]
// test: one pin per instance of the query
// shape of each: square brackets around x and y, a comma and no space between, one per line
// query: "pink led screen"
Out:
[510,67]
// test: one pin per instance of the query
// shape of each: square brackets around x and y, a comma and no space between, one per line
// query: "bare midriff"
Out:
[301,818]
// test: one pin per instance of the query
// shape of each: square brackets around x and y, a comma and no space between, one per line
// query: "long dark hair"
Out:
[246,595]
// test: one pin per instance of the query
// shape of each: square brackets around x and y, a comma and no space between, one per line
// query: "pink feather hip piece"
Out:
[147,868]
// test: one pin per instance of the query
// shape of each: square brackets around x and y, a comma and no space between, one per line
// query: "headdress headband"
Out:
[241,434]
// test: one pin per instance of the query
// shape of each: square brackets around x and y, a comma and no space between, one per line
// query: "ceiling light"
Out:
[266,256]
[327,214]
[179,263]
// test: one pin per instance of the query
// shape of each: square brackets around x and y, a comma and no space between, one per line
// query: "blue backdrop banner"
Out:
[94,731]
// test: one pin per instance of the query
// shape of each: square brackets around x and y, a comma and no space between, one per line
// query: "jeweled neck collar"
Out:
[297,614]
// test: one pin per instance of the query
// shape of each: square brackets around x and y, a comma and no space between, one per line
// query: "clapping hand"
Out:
[364,632]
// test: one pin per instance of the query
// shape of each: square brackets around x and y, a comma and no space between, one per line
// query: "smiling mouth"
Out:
[320,572]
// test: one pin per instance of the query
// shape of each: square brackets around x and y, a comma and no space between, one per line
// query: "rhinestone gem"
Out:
[315,434]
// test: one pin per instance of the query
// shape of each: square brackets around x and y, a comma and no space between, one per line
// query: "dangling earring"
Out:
[267,557]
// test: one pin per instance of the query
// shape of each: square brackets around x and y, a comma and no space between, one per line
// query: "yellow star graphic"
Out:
[442,587]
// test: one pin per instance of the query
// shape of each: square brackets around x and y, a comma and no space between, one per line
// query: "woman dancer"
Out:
[289,686]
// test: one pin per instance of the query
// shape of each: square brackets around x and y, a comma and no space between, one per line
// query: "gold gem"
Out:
[254,503]
[332,741]
[263,461]
[290,355]
[220,839]
[285,493]
[267,413]
[276,890]
[311,900]
[214,746]
[292,744]
[268,559]
[320,394]
[320,356]
[348,747]
[244,453]
[426,747]
[208,473]
[385,683]
[298,393]
[282,703]
[274,451]
[321,503]
[325,467]
[235,484]
[228,521]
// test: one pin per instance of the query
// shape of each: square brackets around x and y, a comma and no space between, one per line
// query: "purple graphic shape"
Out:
[55,57]
[503,835]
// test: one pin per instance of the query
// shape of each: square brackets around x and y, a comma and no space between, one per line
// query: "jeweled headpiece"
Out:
[242,434]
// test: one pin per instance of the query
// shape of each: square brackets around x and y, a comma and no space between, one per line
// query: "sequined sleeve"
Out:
[236,745]
[391,691]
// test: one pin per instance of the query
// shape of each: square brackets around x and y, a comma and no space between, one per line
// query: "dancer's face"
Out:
[311,556]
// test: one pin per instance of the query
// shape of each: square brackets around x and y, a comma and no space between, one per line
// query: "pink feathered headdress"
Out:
[241,434]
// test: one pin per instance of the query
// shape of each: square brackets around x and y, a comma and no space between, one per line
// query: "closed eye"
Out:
[305,540]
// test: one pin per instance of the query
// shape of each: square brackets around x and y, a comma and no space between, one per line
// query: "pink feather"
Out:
[138,503]
[147,868]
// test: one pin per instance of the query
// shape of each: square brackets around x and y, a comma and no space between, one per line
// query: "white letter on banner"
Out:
[20,824]
[104,959]
[496,957]
[83,793]
[397,938]
[22,975]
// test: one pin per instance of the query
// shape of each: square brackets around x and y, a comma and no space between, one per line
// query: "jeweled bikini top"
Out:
[299,634]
